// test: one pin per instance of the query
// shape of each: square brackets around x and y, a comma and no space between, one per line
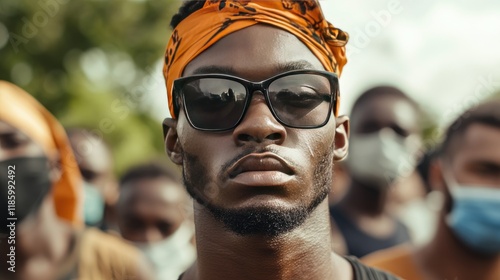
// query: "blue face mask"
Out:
[475,217]
[93,205]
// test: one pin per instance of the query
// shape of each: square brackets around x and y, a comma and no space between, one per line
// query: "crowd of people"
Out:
[274,183]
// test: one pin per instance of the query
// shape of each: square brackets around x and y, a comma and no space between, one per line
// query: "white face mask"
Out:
[170,257]
[380,158]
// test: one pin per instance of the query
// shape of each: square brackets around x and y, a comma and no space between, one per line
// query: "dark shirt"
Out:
[360,243]
[362,272]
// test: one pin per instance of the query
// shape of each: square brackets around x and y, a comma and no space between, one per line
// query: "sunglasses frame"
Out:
[251,87]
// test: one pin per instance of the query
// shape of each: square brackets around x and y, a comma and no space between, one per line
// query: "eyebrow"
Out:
[282,67]
[295,65]
[215,69]
[484,163]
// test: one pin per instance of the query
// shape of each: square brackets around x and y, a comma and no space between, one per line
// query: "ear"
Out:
[172,146]
[436,179]
[437,183]
[341,138]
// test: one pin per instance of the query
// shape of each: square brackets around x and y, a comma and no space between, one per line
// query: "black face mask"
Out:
[24,183]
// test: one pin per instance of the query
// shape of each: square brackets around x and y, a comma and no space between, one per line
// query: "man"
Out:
[153,213]
[95,162]
[257,157]
[41,234]
[383,148]
[466,244]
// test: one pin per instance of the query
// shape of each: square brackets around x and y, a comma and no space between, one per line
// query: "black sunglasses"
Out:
[218,102]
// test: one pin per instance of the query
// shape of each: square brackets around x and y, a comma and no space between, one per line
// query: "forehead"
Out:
[15,143]
[385,110]
[256,53]
[157,191]
[91,153]
[479,143]
[6,128]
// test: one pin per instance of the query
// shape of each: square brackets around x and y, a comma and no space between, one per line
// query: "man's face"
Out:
[384,141]
[14,143]
[476,160]
[261,177]
[150,210]
[96,165]
[378,113]
[30,173]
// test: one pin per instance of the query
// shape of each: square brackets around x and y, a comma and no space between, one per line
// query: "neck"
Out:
[365,200]
[40,238]
[303,253]
[446,257]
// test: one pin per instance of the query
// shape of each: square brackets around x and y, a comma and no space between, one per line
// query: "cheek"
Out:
[209,150]
[310,149]
[29,150]
[318,142]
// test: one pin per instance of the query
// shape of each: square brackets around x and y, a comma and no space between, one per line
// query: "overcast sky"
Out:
[445,54]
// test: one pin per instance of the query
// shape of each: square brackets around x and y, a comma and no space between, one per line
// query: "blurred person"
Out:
[100,185]
[414,202]
[41,233]
[383,148]
[466,244]
[153,213]
[253,94]
[339,187]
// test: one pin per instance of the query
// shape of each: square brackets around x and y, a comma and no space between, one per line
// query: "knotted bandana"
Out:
[23,112]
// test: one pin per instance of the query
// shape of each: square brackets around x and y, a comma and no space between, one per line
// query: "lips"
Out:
[260,164]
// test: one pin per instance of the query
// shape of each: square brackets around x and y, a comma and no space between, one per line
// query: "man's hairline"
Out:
[450,152]
[130,186]
[228,70]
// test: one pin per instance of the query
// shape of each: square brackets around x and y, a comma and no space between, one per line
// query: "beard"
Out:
[257,220]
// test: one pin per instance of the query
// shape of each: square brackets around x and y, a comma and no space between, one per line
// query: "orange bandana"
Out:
[22,111]
[218,18]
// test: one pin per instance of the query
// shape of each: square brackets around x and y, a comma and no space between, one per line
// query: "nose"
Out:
[259,125]
[152,234]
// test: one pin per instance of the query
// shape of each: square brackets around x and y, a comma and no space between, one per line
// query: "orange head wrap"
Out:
[22,111]
[218,18]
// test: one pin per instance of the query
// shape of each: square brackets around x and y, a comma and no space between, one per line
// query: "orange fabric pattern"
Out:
[219,18]
[23,112]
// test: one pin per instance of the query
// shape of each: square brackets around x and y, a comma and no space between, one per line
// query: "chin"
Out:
[264,219]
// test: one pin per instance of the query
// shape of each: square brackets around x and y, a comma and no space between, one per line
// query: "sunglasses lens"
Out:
[214,103]
[301,100]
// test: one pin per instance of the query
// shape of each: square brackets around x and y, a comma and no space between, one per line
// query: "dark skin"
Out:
[368,205]
[475,161]
[150,210]
[96,165]
[303,252]
[42,241]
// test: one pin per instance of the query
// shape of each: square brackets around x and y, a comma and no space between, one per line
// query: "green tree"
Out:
[89,63]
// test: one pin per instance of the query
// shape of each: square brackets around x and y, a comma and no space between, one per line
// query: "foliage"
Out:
[87,62]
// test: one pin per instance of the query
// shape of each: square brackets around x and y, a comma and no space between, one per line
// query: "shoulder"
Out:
[108,255]
[363,272]
[102,241]
[398,260]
